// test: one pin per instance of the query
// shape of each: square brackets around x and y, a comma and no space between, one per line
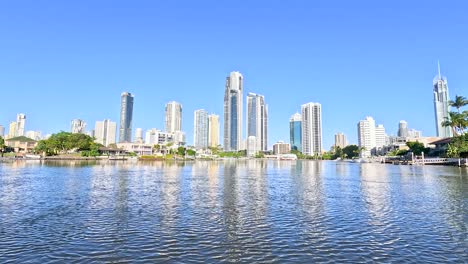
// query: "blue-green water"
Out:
[228,211]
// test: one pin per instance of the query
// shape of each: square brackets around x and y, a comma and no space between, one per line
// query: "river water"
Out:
[232,211]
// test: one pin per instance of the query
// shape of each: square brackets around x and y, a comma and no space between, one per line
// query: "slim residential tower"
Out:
[213,131]
[200,129]
[257,120]
[233,112]
[312,129]
[366,136]
[126,116]
[173,117]
[20,124]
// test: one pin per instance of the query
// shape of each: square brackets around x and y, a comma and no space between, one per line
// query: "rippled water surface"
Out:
[228,211]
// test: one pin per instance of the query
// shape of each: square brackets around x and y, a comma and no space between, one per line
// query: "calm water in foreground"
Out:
[228,211]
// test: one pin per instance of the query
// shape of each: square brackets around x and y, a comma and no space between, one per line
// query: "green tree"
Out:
[181,151]
[157,147]
[2,145]
[417,147]
[65,141]
[351,151]
[458,145]
[259,155]
[191,152]
[459,102]
[458,120]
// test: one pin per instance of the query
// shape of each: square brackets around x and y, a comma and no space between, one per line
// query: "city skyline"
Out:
[59,60]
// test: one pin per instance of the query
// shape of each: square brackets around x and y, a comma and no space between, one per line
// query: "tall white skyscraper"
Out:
[213,131]
[366,135]
[173,117]
[2,131]
[200,129]
[105,132]
[441,105]
[233,112]
[126,117]
[257,120]
[20,124]
[403,129]
[340,140]
[78,126]
[311,128]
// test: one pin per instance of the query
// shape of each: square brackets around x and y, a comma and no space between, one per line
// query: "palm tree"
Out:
[459,102]
[457,121]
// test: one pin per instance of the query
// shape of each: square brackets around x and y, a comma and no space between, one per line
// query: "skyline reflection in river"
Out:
[231,211]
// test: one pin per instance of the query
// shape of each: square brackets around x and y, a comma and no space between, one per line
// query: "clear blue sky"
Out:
[61,60]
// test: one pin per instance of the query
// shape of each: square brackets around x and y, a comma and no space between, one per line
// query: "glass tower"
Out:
[295,132]
[126,116]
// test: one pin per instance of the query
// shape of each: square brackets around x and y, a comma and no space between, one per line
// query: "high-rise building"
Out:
[200,129]
[12,130]
[78,126]
[20,124]
[366,135]
[403,129]
[441,104]
[413,133]
[340,140]
[105,132]
[2,131]
[380,137]
[35,135]
[257,120]
[233,112]
[173,117]
[281,148]
[295,132]
[126,117]
[213,131]
[139,135]
[311,128]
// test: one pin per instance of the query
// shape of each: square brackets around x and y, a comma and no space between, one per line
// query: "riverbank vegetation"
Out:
[65,142]
[458,122]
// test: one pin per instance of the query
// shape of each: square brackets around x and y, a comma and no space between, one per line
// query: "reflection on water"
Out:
[231,211]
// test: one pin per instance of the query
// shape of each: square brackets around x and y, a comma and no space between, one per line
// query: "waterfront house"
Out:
[21,144]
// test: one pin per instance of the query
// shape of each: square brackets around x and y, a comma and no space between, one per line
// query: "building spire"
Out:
[438,68]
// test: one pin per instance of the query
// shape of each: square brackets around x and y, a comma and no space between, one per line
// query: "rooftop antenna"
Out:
[438,67]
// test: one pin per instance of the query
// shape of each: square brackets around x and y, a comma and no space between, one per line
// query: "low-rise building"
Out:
[21,144]
[281,148]
[138,148]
